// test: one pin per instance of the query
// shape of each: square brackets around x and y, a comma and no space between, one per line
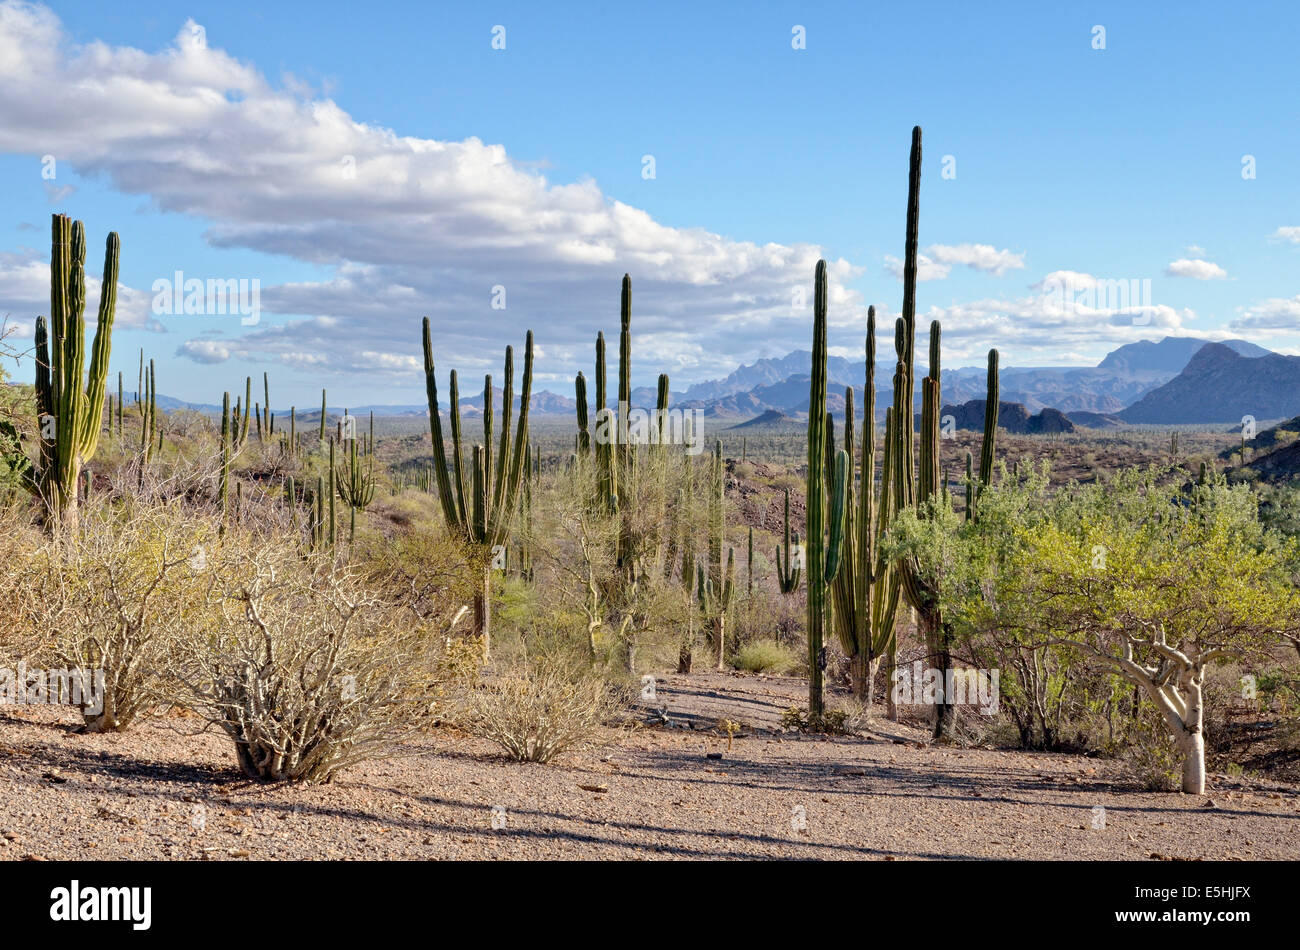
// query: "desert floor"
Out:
[159,792]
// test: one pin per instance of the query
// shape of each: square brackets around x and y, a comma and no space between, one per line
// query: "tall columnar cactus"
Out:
[990,422]
[223,475]
[823,548]
[789,559]
[119,404]
[148,416]
[866,589]
[487,517]
[584,431]
[321,437]
[356,482]
[71,410]
[719,572]
[916,488]
[749,565]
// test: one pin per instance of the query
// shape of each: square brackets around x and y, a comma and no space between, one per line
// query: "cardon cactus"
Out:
[356,481]
[917,488]
[866,589]
[719,572]
[789,559]
[485,514]
[823,547]
[71,410]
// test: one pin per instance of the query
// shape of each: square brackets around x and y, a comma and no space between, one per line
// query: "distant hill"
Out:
[1122,378]
[1096,420]
[772,417]
[1280,465]
[1221,385]
[1171,355]
[1012,416]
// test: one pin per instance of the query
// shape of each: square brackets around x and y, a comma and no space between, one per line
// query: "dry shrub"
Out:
[1151,756]
[541,709]
[306,668]
[113,599]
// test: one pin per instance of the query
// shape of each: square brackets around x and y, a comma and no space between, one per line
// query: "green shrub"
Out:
[765,656]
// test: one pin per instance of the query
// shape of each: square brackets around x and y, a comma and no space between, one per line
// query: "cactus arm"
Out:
[990,421]
[518,456]
[837,514]
[435,434]
[457,451]
[96,384]
[584,431]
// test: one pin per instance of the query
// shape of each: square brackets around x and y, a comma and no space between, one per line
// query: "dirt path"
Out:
[155,793]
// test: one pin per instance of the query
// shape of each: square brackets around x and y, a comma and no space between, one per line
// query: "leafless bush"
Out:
[539,710]
[306,669]
[113,599]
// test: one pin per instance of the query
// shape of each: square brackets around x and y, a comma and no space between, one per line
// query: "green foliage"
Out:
[766,656]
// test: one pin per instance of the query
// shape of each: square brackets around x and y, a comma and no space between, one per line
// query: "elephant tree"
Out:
[70,410]
[483,510]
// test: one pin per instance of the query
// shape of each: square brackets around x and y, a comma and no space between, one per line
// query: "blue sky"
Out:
[221,156]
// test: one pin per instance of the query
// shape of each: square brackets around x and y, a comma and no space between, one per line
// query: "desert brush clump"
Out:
[306,667]
[542,708]
[114,603]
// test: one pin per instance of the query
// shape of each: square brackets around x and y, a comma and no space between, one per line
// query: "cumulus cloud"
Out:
[408,226]
[405,226]
[937,261]
[204,351]
[1067,311]
[1275,313]
[25,291]
[1195,269]
[1289,234]
[927,268]
[981,257]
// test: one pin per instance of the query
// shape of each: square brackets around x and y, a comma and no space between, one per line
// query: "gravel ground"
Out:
[158,793]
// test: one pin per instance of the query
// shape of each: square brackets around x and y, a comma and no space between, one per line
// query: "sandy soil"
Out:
[652,793]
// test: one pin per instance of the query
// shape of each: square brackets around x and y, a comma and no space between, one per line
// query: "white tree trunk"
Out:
[1192,746]
[1191,741]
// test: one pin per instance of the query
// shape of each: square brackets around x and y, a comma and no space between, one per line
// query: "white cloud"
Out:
[926,268]
[409,226]
[981,257]
[1275,313]
[938,260]
[204,351]
[1195,269]
[1288,234]
[1195,250]
[25,290]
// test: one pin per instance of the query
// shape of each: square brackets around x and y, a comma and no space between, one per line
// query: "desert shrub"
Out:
[111,602]
[764,656]
[791,481]
[1150,755]
[541,709]
[306,668]
[838,721]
